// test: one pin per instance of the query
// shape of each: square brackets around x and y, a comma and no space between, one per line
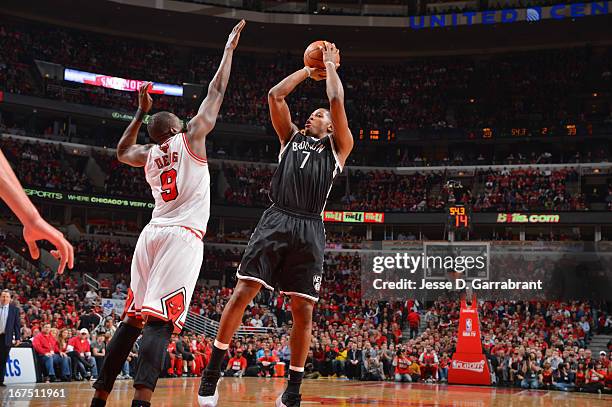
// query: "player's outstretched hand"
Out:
[330,53]
[232,39]
[41,230]
[145,102]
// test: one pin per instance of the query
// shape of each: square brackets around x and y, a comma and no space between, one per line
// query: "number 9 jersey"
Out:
[180,183]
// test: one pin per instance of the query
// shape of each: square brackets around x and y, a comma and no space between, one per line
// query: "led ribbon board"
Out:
[116,83]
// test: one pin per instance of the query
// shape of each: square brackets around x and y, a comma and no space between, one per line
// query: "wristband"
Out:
[140,114]
[307,69]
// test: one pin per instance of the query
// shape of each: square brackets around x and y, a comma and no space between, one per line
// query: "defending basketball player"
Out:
[286,250]
[169,252]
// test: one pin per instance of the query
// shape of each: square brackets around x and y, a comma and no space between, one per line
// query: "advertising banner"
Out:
[20,366]
[113,82]
[469,365]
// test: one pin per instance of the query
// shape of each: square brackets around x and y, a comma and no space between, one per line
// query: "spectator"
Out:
[10,330]
[237,365]
[531,373]
[402,367]
[98,351]
[284,353]
[91,296]
[79,350]
[415,370]
[564,378]
[443,367]
[429,365]
[118,294]
[373,368]
[186,358]
[354,366]
[62,337]
[45,346]
[414,319]
[266,363]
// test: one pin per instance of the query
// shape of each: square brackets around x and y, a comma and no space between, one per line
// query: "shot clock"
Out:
[459,218]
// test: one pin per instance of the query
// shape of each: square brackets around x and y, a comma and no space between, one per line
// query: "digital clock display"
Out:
[458,217]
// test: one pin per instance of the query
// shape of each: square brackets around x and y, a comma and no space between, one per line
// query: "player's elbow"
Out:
[121,156]
[274,95]
[126,157]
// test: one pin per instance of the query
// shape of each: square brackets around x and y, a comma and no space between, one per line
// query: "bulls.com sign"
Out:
[511,15]
[20,366]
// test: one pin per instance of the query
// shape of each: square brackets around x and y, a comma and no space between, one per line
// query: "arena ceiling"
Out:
[185,28]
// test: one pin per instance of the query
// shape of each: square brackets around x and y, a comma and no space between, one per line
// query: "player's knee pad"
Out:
[117,352]
[155,339]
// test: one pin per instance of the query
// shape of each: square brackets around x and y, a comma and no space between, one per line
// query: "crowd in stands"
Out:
[111,227]
[536,344]
[103,256]
[543,88]
[247,185]
[49,165]
[463,154]
[45,165]
[387,190]
[493,190]
[121,179]
[528,189]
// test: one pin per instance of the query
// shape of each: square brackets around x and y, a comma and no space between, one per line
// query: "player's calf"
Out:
[155,338]
[244,293]
[117,352]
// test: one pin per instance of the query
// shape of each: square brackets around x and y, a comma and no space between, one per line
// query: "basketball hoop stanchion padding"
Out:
[469,365]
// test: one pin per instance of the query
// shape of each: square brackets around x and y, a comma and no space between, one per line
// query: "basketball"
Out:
[313,56]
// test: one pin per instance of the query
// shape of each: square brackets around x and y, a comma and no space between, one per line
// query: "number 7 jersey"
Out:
[180,183]
[305,174]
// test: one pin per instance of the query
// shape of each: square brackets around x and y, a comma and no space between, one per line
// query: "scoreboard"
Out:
[459,217]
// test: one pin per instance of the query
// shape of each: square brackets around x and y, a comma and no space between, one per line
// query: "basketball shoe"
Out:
[288,400]
[208,394]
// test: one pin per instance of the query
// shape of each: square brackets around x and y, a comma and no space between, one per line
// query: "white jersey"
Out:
[180,183]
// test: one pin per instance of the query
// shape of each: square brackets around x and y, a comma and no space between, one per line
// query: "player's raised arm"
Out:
[204,121]
[128,152]
[343,138]
[279,110]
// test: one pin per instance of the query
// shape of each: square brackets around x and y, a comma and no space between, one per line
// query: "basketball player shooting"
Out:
[169,252]
[286,248]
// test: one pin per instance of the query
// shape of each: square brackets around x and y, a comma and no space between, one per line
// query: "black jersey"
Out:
[305,174]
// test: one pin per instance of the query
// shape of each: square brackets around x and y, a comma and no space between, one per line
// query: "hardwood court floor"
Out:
[322,392]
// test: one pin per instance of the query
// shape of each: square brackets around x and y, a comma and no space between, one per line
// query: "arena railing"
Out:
[205,326]
[91,282]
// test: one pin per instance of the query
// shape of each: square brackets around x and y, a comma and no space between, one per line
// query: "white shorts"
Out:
[165,269]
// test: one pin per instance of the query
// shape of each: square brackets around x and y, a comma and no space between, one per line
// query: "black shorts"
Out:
[286,252]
